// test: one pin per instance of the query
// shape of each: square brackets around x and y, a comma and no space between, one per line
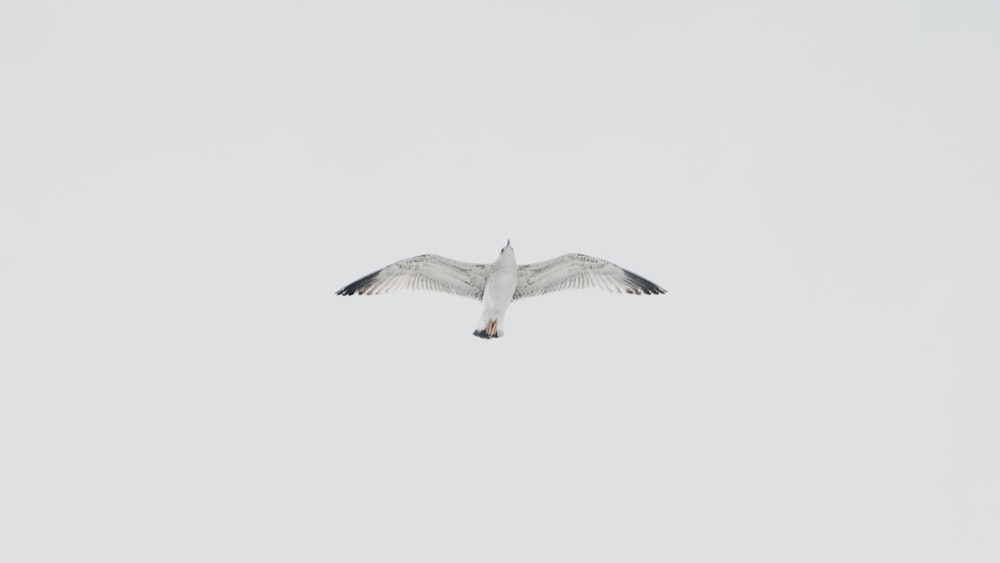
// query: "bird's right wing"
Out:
[429,272]
[578,271]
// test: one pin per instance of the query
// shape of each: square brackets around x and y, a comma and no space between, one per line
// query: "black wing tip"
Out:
[642,286]
[484,334]
[359,287]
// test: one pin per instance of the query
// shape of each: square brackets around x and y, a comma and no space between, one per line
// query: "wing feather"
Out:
[579,271]
[427,272]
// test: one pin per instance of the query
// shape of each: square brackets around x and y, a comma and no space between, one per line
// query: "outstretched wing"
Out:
[578,271]
[428,271]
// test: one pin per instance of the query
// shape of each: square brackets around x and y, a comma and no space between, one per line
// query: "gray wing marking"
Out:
[579,271]
[427,272]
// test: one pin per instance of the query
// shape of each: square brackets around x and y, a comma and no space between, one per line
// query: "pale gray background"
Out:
[184,186]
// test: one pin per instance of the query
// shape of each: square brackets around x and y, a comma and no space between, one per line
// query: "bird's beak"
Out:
[508,243]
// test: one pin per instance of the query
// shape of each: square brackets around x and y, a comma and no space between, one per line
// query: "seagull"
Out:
[499,284]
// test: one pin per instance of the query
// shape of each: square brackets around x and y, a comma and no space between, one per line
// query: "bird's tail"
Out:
[489,328]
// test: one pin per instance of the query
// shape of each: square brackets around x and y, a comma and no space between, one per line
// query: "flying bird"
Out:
[499,284]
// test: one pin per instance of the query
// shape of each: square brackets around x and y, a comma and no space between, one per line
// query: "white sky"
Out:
[184,186]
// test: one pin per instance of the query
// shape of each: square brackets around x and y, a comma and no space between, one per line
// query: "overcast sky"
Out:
[184,185]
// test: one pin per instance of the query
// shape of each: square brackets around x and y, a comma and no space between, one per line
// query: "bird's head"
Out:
[507,249]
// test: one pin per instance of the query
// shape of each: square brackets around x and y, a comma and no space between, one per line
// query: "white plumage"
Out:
[502,282]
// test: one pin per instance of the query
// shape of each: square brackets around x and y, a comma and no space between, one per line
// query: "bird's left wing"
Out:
[578,271]
[428,271]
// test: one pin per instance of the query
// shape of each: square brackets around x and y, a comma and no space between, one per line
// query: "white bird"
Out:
[498,284]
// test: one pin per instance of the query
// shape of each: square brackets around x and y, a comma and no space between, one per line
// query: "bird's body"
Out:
[501,281]
[499,284]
